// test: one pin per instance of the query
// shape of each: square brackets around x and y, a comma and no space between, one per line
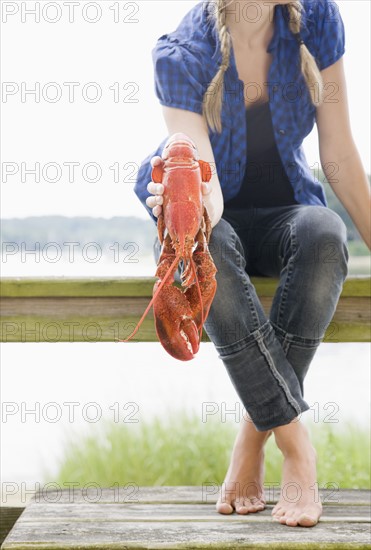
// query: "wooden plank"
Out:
[62,308]
[8,517]
[350,310]
[75,287]
[60,327]
[107,319]
[124,511]
[202,494]
[17,287]
[75,329]
[246,533]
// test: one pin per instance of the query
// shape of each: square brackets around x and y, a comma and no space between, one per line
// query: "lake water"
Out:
[41,264]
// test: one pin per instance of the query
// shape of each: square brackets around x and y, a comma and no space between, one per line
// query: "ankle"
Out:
[294,442]
[249,434]
[306,455]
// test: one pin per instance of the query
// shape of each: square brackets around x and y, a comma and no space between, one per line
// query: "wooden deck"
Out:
[104,310]
[180,518]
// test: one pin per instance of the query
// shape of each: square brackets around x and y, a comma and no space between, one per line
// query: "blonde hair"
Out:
[213,97]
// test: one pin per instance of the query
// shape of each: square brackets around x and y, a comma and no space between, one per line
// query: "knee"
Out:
[325,224]
[321,238]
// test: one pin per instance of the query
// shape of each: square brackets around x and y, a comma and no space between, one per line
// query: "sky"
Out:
[93,115]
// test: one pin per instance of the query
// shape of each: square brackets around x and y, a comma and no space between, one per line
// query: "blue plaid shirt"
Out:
[186,60]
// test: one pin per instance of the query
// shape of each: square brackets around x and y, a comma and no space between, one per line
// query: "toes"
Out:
[224,508]
[305,520]
[240,506]
[282,515]
[277,512]
[249,505]
[276,508]
[256,504]
[291,521]
[287,518]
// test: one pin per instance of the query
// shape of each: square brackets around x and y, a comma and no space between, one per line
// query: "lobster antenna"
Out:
[176,260]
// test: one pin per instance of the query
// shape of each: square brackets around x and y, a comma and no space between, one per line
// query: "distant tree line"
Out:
[80,230]
[122,230]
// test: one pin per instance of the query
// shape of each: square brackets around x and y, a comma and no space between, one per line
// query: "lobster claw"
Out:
[174,324]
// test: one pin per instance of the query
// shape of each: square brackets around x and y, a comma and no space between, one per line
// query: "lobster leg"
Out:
[206,271]
[161,228]
[173,314]
[207,222]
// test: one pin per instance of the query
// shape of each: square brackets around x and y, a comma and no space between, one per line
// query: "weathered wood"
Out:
[105,310]
[203,494]
[244,534]
[8,517]
[27,287]
[170,512]
[24,287]
[73,521]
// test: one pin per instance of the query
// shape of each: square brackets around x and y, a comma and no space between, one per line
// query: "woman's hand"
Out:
[157,190]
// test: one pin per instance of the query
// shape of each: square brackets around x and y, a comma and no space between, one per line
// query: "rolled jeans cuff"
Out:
[264,379]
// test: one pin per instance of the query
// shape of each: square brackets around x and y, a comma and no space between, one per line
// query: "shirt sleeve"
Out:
[330,34]
[179,78]
[179,82]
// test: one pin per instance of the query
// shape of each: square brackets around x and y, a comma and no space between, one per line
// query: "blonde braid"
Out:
[213,97]
[309,67]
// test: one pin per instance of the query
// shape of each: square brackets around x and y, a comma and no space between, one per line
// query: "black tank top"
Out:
[265,182]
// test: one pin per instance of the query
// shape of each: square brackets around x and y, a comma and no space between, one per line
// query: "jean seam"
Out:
[290,268]
[245,342]
[286,346]
[277,375]
[296,339]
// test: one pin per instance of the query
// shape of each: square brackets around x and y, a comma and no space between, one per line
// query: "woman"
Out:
[246,81]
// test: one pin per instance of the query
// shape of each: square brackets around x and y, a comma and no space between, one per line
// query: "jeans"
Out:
[267,357]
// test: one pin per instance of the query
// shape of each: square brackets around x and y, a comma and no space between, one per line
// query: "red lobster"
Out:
[184,230]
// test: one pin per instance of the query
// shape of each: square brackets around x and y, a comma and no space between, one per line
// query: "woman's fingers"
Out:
[205,188]
[155,160]
[156,211]
[155,188]
[154,200]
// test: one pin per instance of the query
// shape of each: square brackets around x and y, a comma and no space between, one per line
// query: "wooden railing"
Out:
[104,310]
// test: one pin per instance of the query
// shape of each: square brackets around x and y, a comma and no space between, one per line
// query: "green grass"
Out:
[185,451]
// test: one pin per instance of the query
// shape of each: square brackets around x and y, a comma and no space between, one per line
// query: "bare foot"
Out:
[242,489]
[299,503]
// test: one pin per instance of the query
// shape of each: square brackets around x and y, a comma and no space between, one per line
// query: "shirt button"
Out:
[282,132]
[275,88]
